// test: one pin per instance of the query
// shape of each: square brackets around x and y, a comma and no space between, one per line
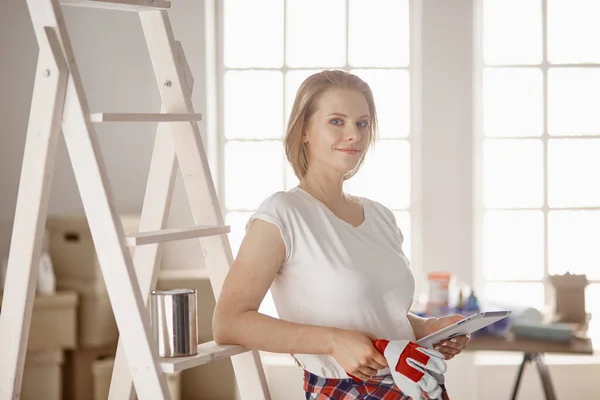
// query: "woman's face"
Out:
[338,132]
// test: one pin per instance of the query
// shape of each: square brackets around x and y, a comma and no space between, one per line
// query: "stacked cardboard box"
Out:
[53,330]
[77,269]
[42,375]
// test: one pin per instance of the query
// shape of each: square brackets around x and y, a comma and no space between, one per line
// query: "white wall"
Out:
[113,59]
[446,154]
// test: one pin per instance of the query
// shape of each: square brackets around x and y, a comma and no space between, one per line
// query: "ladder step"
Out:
[157,117]
[122,5]
[172,234]
[207,352]
[179,274]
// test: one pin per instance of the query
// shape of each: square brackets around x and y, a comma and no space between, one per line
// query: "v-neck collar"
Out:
[335,216]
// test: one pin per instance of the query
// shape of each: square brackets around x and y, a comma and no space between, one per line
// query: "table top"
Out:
[510,343]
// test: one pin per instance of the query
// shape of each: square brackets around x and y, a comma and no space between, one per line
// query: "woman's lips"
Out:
[350,151]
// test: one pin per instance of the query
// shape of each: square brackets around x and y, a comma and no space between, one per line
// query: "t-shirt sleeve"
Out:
[273,210]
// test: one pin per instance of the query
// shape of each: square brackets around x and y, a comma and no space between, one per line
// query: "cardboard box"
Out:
[78,377]
[71,246]
[102,372]
[53,321]
[569,293]
[96,324]
[42,375]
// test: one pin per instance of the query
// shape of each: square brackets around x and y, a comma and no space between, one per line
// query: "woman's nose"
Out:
[353,134]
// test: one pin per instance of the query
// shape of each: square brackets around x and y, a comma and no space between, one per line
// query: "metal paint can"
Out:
[173,316]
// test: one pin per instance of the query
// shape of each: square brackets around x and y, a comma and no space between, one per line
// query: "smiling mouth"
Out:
[349,151]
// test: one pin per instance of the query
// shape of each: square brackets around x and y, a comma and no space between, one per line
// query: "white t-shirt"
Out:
[339,275]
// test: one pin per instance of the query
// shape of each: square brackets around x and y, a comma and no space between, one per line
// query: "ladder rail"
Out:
[187,140]
[31,211]
[106,230]
[198,181]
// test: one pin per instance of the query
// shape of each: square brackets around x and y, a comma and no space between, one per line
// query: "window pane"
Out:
[592,305]
[256,41]
[512,31]
[513,102]
[373,24]
[515,294]
[513,173]
[391,91]
[574,172]
[404,222]
[293,80]
[573,100]
[574,243]
[253,171]
[513,245]
[573,31]
[237,221]
[316,33]
[253,104]
[385,176]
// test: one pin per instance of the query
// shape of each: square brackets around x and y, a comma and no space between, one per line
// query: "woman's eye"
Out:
[363,124]
[336,121]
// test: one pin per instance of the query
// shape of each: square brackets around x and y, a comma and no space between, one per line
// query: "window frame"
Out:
[216,134]
[480,138]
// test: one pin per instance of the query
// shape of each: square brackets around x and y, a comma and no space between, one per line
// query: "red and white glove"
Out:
[417,371]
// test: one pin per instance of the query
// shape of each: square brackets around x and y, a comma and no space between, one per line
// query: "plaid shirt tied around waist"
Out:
[378,388]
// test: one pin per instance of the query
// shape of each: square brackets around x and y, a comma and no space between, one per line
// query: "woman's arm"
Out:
[236,318]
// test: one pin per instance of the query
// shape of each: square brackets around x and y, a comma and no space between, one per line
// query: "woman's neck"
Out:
[328,189]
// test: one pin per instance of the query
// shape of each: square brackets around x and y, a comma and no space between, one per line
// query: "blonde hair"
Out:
[305,105]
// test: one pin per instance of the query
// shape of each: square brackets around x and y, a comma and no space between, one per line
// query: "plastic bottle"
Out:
[472,303]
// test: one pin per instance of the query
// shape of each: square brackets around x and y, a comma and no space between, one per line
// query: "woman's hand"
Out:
[451,347]
[355,352]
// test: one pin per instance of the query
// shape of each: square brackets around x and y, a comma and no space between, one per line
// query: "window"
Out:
[540,148]
[265,59]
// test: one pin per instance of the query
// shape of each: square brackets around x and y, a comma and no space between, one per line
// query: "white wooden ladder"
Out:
[59,103]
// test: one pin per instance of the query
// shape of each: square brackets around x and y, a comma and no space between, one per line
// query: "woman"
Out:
[334,262]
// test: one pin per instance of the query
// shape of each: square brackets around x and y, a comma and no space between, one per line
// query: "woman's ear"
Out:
[304,137]
[305,128]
